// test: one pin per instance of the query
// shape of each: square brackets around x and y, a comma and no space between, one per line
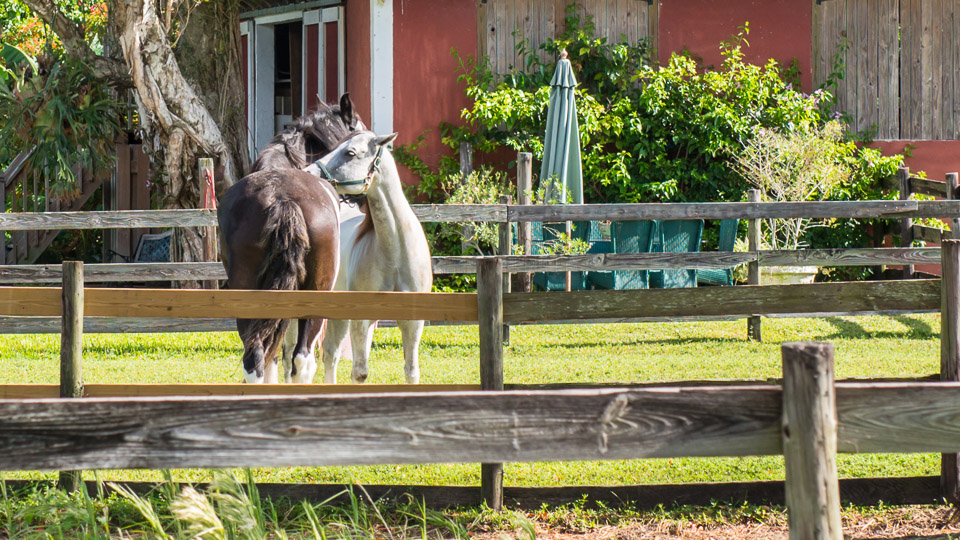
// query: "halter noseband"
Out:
[365,181]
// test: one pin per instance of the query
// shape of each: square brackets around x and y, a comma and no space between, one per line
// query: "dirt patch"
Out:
[900,523]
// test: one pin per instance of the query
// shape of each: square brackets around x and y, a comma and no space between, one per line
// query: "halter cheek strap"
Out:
[365,181]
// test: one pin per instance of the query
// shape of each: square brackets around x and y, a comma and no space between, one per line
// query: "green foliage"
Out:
[55,106]
[662,133]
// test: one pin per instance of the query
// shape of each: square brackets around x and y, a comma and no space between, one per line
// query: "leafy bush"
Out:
[659,133]
[55,106]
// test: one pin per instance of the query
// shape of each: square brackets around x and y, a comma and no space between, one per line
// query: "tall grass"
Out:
[230,508]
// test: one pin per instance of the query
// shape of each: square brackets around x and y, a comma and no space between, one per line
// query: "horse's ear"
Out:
[386,139]
[321,104]
[346,111]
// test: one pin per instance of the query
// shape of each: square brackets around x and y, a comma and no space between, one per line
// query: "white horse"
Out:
[382,250]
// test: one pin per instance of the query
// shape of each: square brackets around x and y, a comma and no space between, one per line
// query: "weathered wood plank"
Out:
[47,391]
[926,186]
[888,70]
[194,303]
[927,234]
[71,349]
[850,257]
[597,261]
[747,300]
[122,219]
[810,441]
[113,325]
[898,417]
[457,427]
[440,213]
[950,355]
[740,210]
[99,273]
[32,221]
[388,428]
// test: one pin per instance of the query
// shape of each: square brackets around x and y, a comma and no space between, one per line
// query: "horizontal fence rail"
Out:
[126,272]
[820,298]
[116,433]
[437,213]
[244,304]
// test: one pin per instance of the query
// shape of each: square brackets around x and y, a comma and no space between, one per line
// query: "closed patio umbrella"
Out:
[561,176]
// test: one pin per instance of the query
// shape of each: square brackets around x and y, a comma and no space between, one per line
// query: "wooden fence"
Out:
[491,425]
[504,214]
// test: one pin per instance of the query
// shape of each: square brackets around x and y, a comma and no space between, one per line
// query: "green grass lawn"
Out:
[900,346]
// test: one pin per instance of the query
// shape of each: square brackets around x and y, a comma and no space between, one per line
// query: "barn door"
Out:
[324,72]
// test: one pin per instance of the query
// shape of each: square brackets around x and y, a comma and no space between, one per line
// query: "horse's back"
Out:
[248,205]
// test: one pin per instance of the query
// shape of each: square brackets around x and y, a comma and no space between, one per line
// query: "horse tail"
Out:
[283,269]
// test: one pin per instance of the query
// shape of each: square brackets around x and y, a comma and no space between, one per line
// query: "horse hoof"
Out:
[306,369]
[252,378]
[360,379]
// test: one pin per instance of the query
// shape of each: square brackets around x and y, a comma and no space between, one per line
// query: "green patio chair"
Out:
[676,236]
[541,234]
[725,242]
[626,237]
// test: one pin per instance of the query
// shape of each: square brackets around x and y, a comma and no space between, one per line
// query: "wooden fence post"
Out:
[505,247]
[466,159]
[953,185]
[810,441]
[950,353]
[490,314]
[71,348]
[906,224]
[754,331]
[524,189]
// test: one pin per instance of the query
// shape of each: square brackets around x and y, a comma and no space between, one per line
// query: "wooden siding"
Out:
[506,23]
[901,59]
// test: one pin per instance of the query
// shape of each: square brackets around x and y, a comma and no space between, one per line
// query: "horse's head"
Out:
[324,128]
[354,166]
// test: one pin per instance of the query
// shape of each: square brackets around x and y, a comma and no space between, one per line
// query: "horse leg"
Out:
[289,344]
[361,339]
[336,331]
[253,357]
[410,334]
[304,359]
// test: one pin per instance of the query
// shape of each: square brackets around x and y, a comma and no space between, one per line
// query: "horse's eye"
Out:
[351,153]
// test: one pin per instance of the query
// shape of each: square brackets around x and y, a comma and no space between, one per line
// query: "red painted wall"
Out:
[425,85]
[357,37]
[936,158]
[779,29]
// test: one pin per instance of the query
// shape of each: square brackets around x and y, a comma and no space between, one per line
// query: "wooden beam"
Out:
[754,322]
[437,213]
[237,304]
[734,210]
[138,272]
[927,234]
[122,272]
[101,390]
[71,349]
[121,219]
[906,223]
[711,301]
[490,315]
[488,427]
[810,441]
[925,186]
[950,356]
[561,425]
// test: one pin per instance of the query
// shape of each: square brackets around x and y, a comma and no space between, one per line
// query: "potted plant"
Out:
[796,165]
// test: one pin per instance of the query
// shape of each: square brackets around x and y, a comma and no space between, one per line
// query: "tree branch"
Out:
[111,70]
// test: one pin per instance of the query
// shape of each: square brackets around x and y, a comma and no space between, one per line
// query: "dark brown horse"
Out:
[280,230]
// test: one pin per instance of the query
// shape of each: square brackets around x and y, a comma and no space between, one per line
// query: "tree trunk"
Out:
[174,102]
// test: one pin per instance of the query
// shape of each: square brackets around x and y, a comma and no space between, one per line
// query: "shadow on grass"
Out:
[846,328]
